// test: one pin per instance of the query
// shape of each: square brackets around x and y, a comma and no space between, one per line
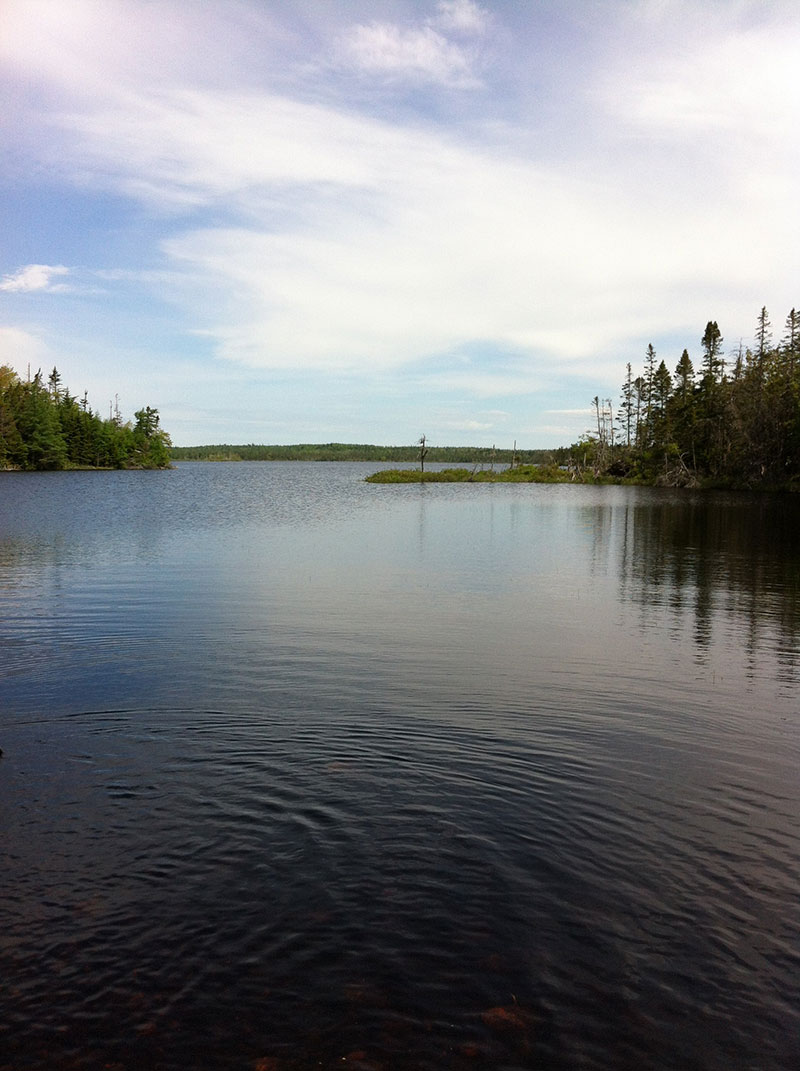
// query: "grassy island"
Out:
[518,474]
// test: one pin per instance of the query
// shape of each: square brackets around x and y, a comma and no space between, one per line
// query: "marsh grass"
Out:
[519,474]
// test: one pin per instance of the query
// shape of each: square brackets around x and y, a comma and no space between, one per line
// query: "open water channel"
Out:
[301,772]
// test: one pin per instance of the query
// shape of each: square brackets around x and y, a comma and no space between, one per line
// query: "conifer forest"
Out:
[43,426]
[728,423]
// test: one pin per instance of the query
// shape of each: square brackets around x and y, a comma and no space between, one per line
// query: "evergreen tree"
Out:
[684,377]
[44,427]
[710,440]
[763,339]
[790,344]
[742,431]
[55,384]
[627,405]
[37,421]
[682,409]
[713,364]
[649,376]
[150,444]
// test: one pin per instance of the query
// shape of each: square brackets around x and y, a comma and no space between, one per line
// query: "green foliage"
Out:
[551,473]
[359,452]
[150,445]
[518,474]
[44,427]
[737,428]
[418,476]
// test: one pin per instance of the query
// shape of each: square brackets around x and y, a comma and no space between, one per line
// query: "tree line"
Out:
[356,452]
[43,426]
[729,423]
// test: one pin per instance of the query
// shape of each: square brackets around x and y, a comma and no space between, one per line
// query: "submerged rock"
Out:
[509,1018]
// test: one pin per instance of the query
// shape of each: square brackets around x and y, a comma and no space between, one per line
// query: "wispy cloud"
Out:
[420,53]
[461,16]
[415,54]
[468,425]
[725,73]
[358,243]
[19,347]
[35,277]
[355,241]
[569,412]
[309,189]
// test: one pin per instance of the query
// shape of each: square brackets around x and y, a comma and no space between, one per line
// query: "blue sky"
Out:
[320,220]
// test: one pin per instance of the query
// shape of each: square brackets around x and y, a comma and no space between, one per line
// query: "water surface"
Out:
[304,772]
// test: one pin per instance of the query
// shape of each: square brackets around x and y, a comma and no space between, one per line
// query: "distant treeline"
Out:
[733,422]
[42,426]
[481,455]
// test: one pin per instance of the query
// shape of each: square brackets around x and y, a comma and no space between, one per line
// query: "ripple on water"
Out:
[230,888]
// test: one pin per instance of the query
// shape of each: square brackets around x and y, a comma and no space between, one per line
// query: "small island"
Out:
[517,474]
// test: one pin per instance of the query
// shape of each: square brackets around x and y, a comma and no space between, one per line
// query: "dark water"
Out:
[304,773]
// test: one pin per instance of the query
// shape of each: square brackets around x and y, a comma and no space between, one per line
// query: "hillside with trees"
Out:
[733,423]
[42,426]
[484,455]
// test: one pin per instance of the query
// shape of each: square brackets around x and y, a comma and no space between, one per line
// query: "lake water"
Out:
[301,772]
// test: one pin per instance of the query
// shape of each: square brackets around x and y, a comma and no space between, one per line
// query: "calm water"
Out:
[304,773]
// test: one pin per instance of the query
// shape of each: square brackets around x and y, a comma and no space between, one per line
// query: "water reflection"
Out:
[727,566]
[312,773]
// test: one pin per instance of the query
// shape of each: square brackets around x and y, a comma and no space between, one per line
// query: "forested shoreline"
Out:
[730,423]
[43,426]
[361,452]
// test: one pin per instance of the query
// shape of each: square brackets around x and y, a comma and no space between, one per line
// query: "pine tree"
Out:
[649,375]
[763,339]
[713,364]
[682,409]
[627,405]
[45,427]
[790,343]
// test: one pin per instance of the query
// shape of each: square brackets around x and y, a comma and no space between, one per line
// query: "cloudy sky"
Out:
[290,221]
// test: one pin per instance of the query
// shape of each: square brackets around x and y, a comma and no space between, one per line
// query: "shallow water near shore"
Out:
[302,772]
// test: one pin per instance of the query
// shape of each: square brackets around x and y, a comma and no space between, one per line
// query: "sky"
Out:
[283,221]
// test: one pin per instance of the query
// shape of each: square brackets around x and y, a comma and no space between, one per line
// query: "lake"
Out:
[301,772]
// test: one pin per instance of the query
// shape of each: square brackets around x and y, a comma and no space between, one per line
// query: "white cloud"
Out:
[422,54]
[354,244]
[570,412]
[461,16]
[361,243]
[419,53]
[466,425]
[34,277]
[20,348]
[98,47]
[474,383]
[728,73]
